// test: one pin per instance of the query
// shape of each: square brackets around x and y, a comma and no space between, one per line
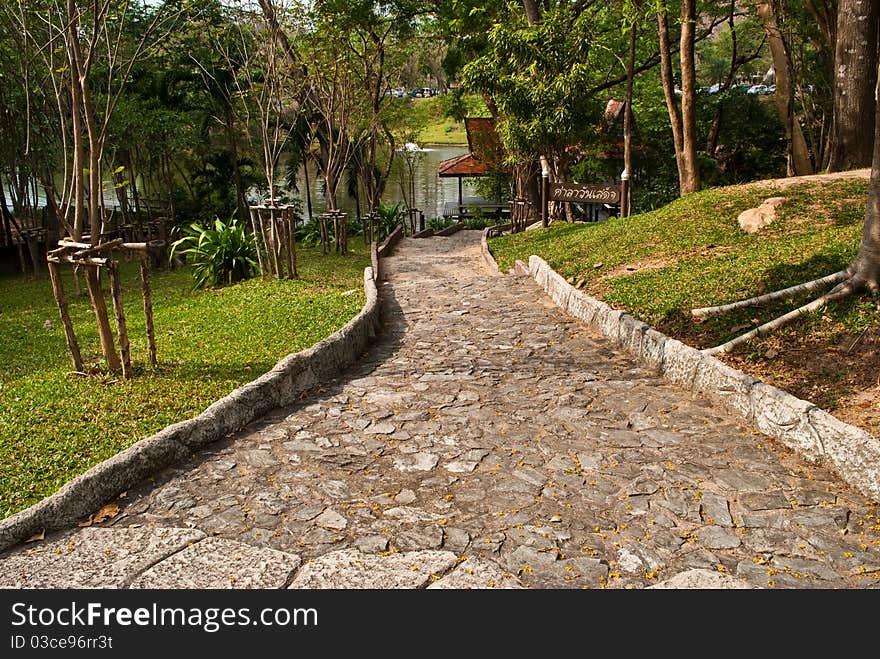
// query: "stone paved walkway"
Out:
[487,440]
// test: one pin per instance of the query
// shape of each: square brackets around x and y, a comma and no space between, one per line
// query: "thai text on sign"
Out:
[585,192]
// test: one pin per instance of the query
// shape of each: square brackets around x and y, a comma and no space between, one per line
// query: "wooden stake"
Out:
[257,240]
[285,241]
[34,251]
[343,233]
[293,274]
[148,309]
[99,307]
[325,238]
[119,311]
[267,247]
[79,290]
[21,262]
[276,244]
[61,301]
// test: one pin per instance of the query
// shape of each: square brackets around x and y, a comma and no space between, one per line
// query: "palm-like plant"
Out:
[221,253]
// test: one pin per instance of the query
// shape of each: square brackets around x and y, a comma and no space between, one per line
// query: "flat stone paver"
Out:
[512,446]
[219,563]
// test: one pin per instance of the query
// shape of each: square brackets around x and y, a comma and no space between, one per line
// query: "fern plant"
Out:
[221,253]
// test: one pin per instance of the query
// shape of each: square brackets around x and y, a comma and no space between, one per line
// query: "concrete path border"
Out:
[281,386]
[813,433]
[487,253]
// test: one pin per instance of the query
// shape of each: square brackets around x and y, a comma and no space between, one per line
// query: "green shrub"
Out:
[440,223]
[479,222]
[390,216]
[309,232]
[219,254]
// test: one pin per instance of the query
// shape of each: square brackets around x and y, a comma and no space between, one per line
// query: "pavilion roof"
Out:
[484,151]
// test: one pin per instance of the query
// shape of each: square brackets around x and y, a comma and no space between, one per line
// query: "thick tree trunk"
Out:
[799,162]
[865,270]
[6,215]
[855,79]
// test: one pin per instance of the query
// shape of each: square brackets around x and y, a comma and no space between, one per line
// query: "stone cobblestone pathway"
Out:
[486,440]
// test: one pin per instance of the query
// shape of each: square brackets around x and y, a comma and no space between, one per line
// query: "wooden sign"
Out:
[587,193]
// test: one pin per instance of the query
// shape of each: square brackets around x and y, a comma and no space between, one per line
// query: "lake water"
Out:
[431,191]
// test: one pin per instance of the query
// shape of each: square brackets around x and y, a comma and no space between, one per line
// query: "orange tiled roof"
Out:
[484,149]
[463,165]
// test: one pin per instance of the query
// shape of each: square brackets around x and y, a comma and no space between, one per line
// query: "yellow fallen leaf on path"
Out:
[106,512]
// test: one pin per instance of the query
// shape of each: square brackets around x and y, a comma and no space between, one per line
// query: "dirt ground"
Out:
[839,372]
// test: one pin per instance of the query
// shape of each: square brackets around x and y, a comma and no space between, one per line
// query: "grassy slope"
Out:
[438,129]
[435,128]
[55,425]
[692,253]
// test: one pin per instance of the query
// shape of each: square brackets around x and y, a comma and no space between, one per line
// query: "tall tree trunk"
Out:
[715,126]
[691,180]
[666,75]
[799,162]
[79,153]
[96,147]
[855,79]
[241,204]
[625,184]
[533,14]
[83,113]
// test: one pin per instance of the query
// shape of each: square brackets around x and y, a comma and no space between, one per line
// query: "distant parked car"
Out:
[762,90]
[398,92]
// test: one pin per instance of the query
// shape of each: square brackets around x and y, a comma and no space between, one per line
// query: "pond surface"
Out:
[430,191]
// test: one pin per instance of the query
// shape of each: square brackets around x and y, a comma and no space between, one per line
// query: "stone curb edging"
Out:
[387,245]
[813,433]
[281,386]
[451,229]
[487,254]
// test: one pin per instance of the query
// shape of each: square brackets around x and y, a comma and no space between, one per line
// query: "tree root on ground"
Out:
[835,278]
[852,283]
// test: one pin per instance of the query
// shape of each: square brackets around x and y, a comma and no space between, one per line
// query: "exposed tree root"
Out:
[702,312]
[853,284]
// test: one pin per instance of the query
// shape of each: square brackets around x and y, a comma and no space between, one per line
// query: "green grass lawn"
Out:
[692,253]
[435,128]
[55,424]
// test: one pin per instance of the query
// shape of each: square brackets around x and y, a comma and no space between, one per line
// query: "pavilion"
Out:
[482,159]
